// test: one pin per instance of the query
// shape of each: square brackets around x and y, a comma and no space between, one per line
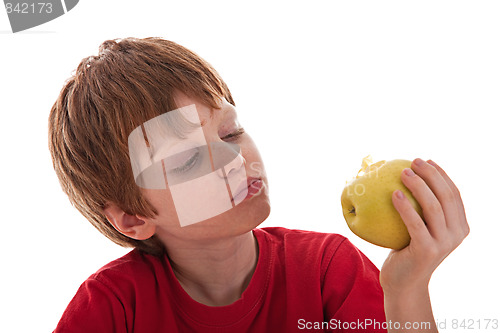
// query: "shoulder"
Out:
[278,233]
[323,251]
[306,250]
[134,269]
[104,301]
[129,263]
[302,240]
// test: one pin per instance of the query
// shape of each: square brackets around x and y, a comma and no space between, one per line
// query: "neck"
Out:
[216,272]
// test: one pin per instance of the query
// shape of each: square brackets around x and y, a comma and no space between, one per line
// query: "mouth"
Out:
[254,186]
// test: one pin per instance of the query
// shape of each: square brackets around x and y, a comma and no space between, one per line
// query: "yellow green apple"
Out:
[367,203]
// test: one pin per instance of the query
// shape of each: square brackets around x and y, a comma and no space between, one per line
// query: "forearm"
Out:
[409,311]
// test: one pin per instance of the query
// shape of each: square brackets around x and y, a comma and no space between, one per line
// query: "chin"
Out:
[257,214]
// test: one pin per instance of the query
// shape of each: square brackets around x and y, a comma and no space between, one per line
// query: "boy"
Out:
[147,145]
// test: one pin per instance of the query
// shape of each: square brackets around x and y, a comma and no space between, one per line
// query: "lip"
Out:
[254,186]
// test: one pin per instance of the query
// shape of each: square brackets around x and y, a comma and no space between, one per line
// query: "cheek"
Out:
[163,203]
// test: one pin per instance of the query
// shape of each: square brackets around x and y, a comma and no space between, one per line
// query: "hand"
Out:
[444,228]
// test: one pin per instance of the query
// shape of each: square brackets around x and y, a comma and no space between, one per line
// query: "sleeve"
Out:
[94,308]
[353,300]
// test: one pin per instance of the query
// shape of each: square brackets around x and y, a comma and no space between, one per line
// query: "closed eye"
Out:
[190,163]
[234,136]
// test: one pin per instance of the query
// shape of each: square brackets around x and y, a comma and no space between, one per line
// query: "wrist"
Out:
[411,305]
[408,294]
[409,286]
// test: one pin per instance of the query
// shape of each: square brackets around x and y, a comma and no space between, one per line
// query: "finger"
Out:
[443,174]
[441,190]
[431,207]
[456,192]
[416,227]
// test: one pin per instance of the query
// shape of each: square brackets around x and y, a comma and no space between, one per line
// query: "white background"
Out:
[318,85]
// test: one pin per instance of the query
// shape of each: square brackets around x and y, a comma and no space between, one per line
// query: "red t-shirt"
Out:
[304,281]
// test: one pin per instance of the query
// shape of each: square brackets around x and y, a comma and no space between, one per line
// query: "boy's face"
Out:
[202,173]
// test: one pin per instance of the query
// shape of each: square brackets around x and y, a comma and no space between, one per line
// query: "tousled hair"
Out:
[129,82]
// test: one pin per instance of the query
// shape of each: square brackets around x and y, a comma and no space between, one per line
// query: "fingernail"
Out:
[399,194]
[431,162]
[409,172]
[419,161]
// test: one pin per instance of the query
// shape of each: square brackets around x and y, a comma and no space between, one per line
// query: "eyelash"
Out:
[191,162]
[235,135]
[188,165]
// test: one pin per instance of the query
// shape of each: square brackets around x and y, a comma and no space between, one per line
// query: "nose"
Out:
[231,167]
[226,158]
[235,165]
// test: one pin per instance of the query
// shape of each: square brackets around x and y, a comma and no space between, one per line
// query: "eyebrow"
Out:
[225,111]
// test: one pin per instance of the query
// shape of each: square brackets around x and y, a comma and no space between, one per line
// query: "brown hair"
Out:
[130,81]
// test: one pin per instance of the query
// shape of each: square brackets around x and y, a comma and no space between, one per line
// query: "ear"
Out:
[131,226]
